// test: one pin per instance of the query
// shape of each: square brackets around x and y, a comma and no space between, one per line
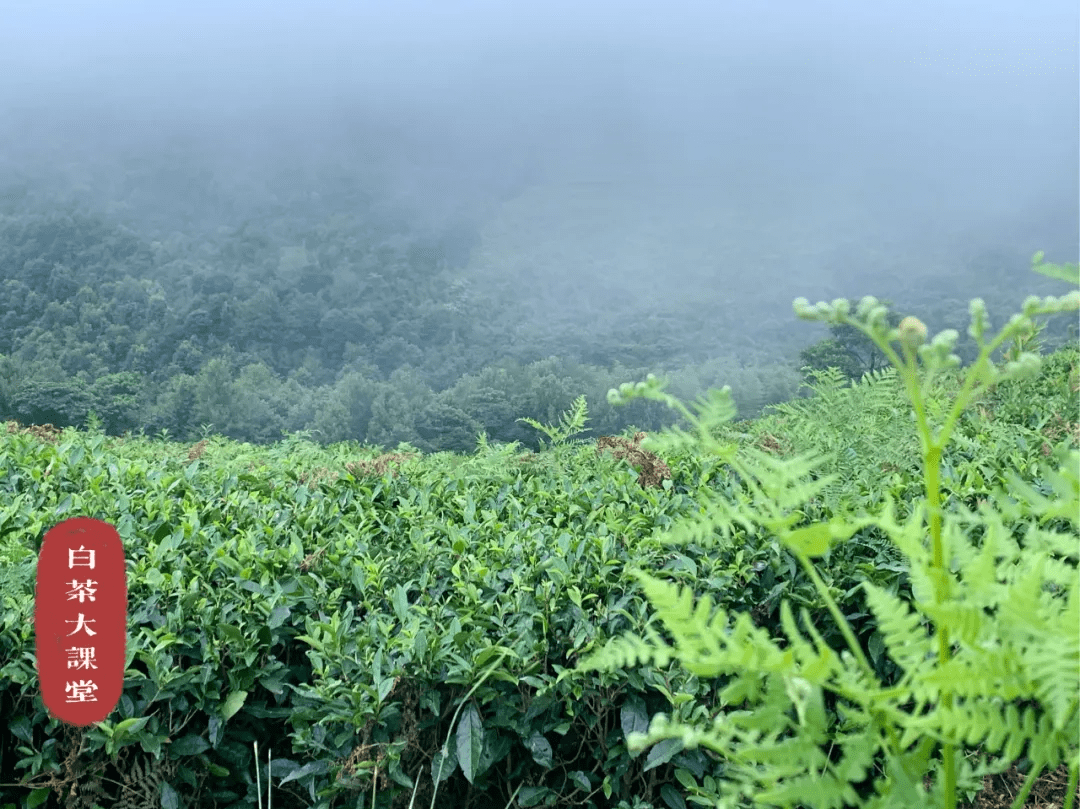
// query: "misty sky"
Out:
[920,113]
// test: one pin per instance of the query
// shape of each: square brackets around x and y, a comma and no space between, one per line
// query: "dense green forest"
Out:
[370,327]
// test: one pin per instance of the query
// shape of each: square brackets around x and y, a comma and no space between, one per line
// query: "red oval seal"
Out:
[80,620]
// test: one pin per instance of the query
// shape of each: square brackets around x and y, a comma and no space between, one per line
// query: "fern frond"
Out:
[881,377]
[675,441]
[571,422]
[1052,659]
[901,629]
[1063,504]
[629,650]
[716,515]
[982,673]
[983,723]
[979,568]
[1021,610]
[817,665]
[785,758]
[777,489]
[773,764]
[965,622]
[823,790]
[706,646]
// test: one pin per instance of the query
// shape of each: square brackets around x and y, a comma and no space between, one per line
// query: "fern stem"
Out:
[838,617]
[932,475]
[1029,782]
[856,649]
[932,446]
[1070,790]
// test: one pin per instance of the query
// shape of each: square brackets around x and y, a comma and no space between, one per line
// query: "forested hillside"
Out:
[366,326]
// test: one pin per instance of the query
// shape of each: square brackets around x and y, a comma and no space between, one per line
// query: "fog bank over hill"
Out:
[613,155]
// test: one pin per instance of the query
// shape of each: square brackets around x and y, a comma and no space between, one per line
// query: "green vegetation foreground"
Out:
[851,612]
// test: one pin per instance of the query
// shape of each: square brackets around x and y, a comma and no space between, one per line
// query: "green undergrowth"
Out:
[409,630]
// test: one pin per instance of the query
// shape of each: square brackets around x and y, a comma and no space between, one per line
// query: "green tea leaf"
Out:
[633,716]
[661,753]
[470,742]
[231,633]
[169,797]
[541,750]
[812,540]
[131,726]
[190,745]
[233,703]
[443,764]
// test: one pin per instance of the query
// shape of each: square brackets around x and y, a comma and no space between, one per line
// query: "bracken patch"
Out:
[652,471]
[42,432]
